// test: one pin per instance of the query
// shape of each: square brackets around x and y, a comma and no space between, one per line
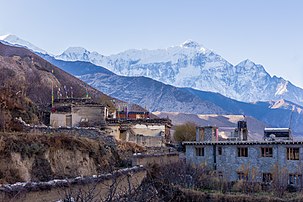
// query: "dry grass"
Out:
[181,182]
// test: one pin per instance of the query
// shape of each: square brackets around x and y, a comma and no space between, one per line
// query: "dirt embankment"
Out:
[41,157]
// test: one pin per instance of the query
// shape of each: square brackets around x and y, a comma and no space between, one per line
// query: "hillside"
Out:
[35,76]
[26,83]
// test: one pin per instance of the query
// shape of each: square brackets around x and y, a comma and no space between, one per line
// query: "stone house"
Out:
[255,161]
[72,112]
[145,132]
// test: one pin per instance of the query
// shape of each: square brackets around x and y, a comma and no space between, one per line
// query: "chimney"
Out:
[242,130]
[198,134]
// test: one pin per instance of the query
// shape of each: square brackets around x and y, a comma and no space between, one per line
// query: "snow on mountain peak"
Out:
[247,62]
[194,45]
[5,37]
[75,54]
[15,40]
[76,50]
[190,44]
[282,88]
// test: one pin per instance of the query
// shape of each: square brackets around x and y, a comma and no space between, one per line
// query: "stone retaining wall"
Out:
[120,182]
[161,159]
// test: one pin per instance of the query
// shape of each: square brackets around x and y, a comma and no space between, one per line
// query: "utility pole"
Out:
[290,121]
[52,89]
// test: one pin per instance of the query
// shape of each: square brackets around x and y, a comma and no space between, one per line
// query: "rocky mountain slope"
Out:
[161,97]
[191,65]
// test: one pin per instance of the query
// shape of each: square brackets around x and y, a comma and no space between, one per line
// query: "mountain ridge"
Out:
[192,65]
[157,96]
[15,40]
[198,68]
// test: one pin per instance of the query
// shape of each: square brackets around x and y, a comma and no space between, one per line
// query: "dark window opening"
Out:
[220,174]
[293,153]
[242,176]
[267,177]
[199,151]
[242,152]
[295,179]
[267,152]
[219,150]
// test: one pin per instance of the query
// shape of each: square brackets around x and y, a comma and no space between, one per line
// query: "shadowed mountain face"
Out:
[33,74]
[76,68]
[157,96]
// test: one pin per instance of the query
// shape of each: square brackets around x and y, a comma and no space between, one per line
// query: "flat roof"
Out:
[290,142]
[276,129]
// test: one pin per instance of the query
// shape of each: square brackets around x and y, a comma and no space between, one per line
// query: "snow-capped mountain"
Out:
[14,40]
[156,96]
[188,65]
[192,65]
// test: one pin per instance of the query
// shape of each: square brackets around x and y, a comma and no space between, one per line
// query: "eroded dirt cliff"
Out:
[41,157]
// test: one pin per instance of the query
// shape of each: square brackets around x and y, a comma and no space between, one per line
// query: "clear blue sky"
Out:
[269,32]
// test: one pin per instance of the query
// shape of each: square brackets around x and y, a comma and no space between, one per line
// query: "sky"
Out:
[268,32]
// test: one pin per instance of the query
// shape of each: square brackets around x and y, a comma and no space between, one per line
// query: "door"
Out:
[69,120]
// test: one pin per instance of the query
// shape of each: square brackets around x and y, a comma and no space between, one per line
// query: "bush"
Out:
[185,132]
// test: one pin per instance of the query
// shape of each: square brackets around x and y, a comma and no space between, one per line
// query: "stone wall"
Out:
[160,159]
[120,182]
[147,141]
[89,114]
[95,115]
[89,132]
[147,135]
[149,130]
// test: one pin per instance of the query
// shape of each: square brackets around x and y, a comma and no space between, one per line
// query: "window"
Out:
[242,152]
[220,174]
[267,177]
[219,150]
[266,151]
[293,153]
[295,179]
[199,151]
[242,176]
